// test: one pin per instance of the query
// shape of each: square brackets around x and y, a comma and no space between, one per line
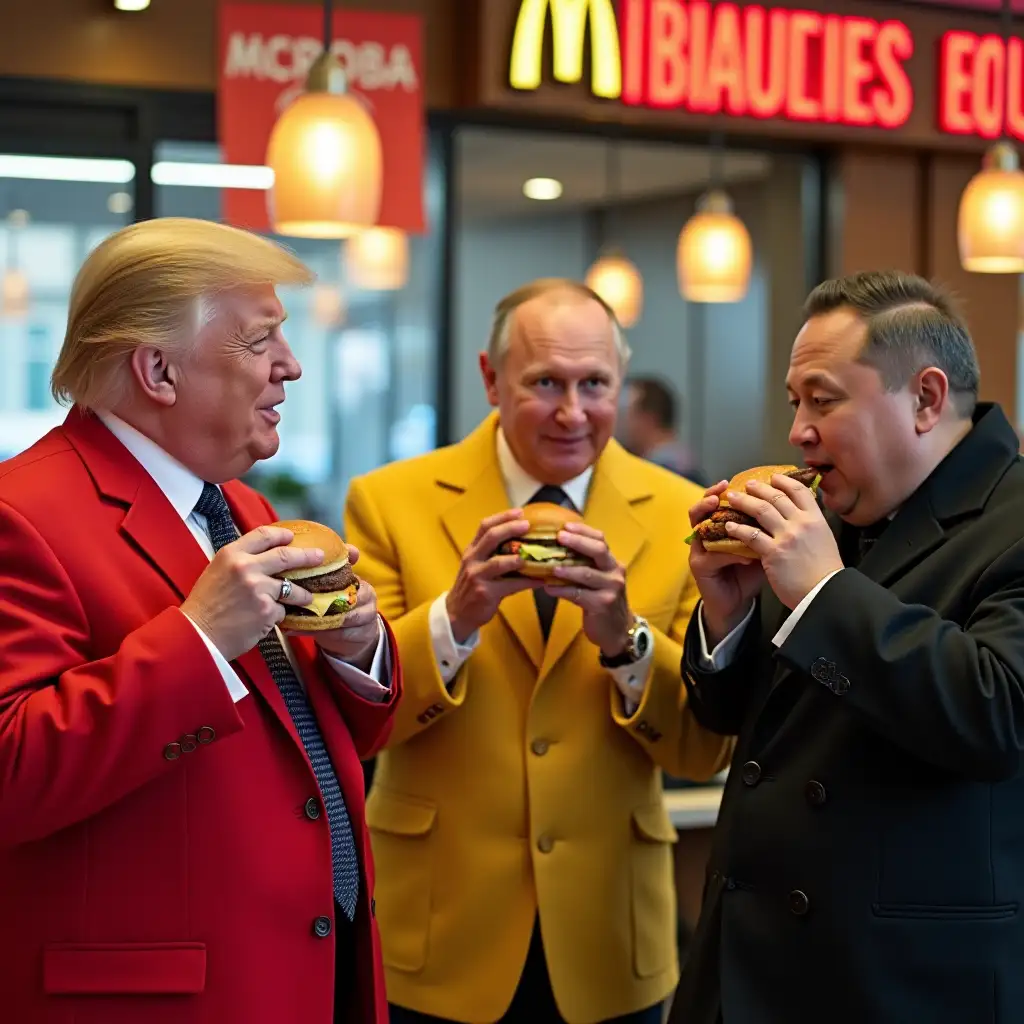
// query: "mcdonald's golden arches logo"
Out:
[568,33]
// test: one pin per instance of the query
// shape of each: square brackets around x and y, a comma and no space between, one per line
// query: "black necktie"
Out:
[344,859]
[545,602]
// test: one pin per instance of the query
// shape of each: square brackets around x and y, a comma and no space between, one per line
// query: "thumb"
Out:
[353,554]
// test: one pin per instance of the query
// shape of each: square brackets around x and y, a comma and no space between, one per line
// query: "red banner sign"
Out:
[264,55]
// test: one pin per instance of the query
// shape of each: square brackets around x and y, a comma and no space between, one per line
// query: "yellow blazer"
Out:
[525,787]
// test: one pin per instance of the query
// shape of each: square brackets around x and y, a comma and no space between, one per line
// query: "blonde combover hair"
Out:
[501,324]
[155,283]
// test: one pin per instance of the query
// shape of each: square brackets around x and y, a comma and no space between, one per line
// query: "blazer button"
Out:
[322,927]
[799,904]
[545,843]
[751,773]
[539,747]
[189,743]
[312,808]
[206,734]
[172,751]
[815,793]
[373,908]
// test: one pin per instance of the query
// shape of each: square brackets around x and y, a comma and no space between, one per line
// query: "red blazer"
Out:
[136,885]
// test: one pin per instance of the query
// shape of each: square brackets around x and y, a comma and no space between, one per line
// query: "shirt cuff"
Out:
[449,655]
[794,617]
[723,654]
[368,685]
[632,680]
[235,686]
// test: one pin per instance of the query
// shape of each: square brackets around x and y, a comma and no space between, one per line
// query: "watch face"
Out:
[642,641]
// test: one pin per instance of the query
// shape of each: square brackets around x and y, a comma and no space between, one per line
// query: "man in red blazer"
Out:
[181,796]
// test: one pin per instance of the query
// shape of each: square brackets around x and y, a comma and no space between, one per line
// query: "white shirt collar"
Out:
[180,485]
[521,487]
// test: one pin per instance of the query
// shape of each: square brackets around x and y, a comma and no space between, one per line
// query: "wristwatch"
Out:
[638,643]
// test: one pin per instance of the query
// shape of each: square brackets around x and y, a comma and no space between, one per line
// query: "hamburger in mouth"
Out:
[538,547]
[712,531]
[333,584]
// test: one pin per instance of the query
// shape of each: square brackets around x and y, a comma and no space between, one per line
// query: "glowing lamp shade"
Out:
[619,283]
[328,305]
[14,294]
[714,255]
[377,259]
[990,221]
[325,152]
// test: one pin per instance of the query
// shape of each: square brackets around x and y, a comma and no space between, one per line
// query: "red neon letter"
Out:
[955,82]
[803,25]
[893,99]
[857,71]
[988,87]
[725,66]
[766,89]
[1014,113]
[632,47]
[666,66]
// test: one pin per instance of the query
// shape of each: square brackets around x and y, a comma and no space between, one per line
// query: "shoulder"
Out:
[30,480]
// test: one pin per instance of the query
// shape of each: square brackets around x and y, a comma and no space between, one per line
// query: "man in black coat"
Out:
[868,865]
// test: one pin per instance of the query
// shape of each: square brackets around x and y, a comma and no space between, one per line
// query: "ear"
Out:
[930,392]
[156,376]
[490,376]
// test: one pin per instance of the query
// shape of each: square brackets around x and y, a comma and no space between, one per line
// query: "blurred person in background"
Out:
[650,428]
[523,848]
[181,806]
[868,862]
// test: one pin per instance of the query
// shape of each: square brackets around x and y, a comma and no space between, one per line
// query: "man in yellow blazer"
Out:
[523,851]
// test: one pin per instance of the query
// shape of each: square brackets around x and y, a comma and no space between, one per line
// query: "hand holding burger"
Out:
[341,611]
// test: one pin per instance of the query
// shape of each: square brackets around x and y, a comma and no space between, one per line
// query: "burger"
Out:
[333,584]
[712,532]
[538,547]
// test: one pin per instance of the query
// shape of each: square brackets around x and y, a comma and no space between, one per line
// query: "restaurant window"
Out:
[368,390]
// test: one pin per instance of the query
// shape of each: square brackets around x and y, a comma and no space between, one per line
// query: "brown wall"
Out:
[899,210]
[172,45]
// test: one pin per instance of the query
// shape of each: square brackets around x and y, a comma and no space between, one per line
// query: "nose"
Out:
[803,433]
[570,411]
[286,366]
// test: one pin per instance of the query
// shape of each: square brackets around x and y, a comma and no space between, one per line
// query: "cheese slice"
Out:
[540,552]
[321,602]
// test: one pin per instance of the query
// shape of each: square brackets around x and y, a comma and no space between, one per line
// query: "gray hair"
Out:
[911,324]
[501,326]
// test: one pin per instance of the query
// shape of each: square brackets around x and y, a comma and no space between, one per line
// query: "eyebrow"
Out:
[266,324]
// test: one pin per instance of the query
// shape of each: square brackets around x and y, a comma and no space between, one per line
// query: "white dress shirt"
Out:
[520,488]
[182,488]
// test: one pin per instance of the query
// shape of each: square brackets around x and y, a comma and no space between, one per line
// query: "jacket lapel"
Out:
[609,509]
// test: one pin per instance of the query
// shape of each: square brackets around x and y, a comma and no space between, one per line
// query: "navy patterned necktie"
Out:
[545,602]
[344,859]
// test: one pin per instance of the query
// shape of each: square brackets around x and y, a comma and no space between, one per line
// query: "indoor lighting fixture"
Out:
[200,175]
[377,259]
[542,188]
[990,221]
[131,5]
[120,203]
[326,155]
[619,283]
[328,305]
[714,255]
[14,294]
[62,168]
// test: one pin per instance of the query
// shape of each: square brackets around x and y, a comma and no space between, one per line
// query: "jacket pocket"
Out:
[654,908]
[939,912]
[124,968]
[400,830]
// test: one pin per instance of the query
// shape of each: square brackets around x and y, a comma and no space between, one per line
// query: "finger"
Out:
[779,500]
[500,565]
[366,594]
[801,496]
[716,489]
[579,596]
[263,538]
[298,596]
[763,511]
[583,530]
[490,541]
[703,509]
[584,576]
[509,515]
[756,539]
[278,560]
[353,554]
[515,584]
[359,617]
[593,548]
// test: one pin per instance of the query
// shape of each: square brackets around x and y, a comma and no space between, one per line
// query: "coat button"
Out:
[206,734]
[823,670]
[799,904]
[840,685]
[322,927]
[545,843]
[172,751]
[539,747]
[312,808]
[189,743]
[815,793]
[373,908]
[751,773]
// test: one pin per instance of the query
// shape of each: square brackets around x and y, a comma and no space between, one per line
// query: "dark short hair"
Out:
[911,324]
[657,399]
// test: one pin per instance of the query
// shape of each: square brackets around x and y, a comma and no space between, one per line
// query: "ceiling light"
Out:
[60,168]
[14,294]
[119,202]
[197,175]
[377,259]
[131,5]
[619,283]
[714,254]
[542,188]
[990,221]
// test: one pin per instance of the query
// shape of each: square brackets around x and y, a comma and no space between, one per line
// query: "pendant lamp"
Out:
[328,305]
[615,278]
[377,259]
[15,296]
[325,152]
